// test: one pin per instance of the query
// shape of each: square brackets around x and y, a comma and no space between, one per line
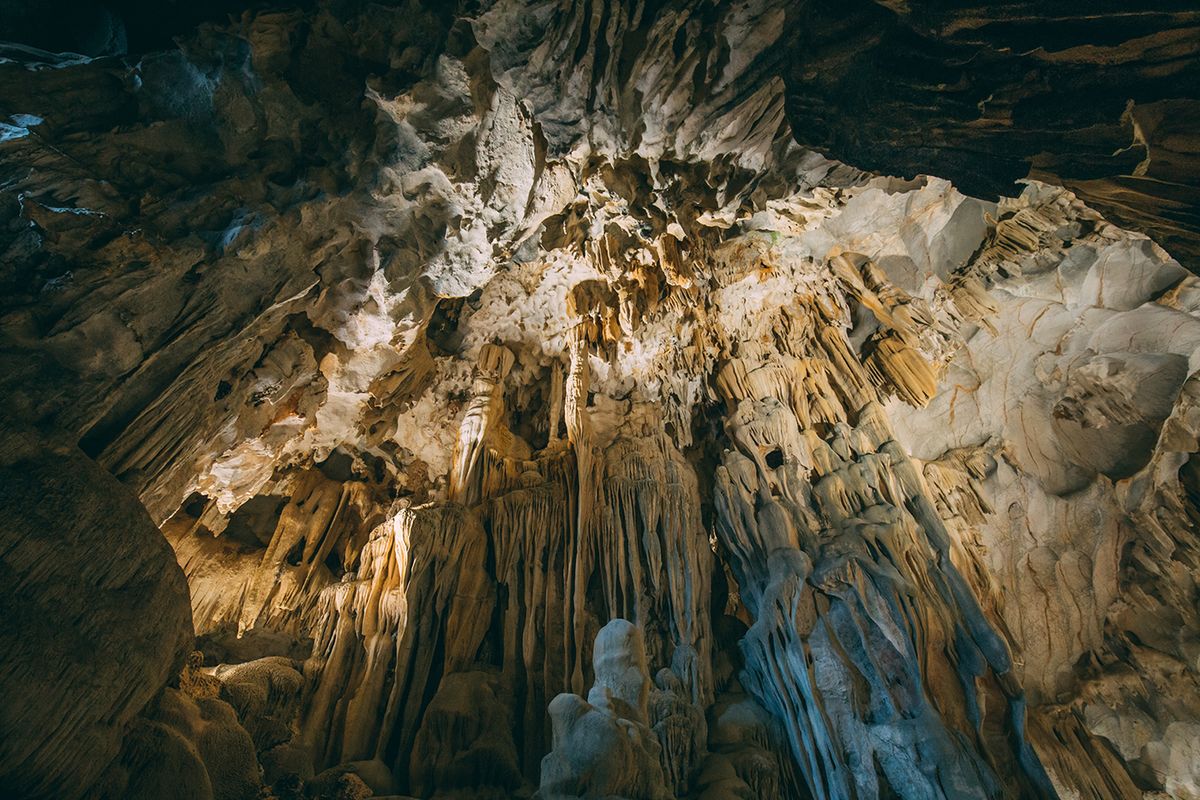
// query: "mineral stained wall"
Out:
[531,413]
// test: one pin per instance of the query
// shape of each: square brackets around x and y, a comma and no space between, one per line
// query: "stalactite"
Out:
[320,516]
[418,609]
[579,435]
[896,363]
[484,445]
[819,325]
[971,300]
[651,543]
[674,266]
[532,535]
[864,605]
[1021,233]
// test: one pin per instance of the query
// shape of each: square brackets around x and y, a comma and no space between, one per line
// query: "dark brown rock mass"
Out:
[1102,98]
[95,616]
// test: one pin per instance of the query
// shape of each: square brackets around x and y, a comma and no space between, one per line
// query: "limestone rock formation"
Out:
[603,746]
[80,562]
[1100,99]
[530,412]
[185,747]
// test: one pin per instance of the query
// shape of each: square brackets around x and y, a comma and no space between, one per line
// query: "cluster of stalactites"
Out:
[641,281]
[421,590]
[801,384]
[1030,229]
[835,540]
[893,351]
[814,327]
[321,515]
[955,483]
[593,528]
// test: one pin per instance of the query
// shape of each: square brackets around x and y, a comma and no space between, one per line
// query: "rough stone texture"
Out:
[1103,99]
[419,609]
[265,694]
[80,562]
[472,360]
[465,744]
[187,747]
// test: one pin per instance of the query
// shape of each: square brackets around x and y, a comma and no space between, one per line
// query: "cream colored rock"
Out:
[436,343]
[603,747]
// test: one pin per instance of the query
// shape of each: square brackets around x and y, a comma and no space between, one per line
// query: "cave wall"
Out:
[526,407]
[81,563]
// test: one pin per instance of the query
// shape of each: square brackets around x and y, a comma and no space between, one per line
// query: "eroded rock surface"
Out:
[603,746]
[80,562]
[530,413]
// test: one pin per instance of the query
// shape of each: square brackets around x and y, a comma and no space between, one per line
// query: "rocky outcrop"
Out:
[465,744]
[1102,101]
[80,562]
[185,747]
[530,413]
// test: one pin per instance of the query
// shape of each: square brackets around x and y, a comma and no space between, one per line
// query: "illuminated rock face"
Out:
[529,413]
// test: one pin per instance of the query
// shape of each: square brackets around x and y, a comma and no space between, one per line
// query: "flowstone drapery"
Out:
[530,414]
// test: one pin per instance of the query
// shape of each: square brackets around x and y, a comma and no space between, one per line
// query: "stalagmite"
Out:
[603,746]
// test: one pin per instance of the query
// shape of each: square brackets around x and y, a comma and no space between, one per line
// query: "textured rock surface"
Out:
[80,561]
[603,746]
[476,362]
[1102,99]
[184,746]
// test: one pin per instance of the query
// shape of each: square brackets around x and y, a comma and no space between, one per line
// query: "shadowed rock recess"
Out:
[513,399]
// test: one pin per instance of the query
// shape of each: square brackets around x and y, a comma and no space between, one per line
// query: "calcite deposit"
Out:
[502,399]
